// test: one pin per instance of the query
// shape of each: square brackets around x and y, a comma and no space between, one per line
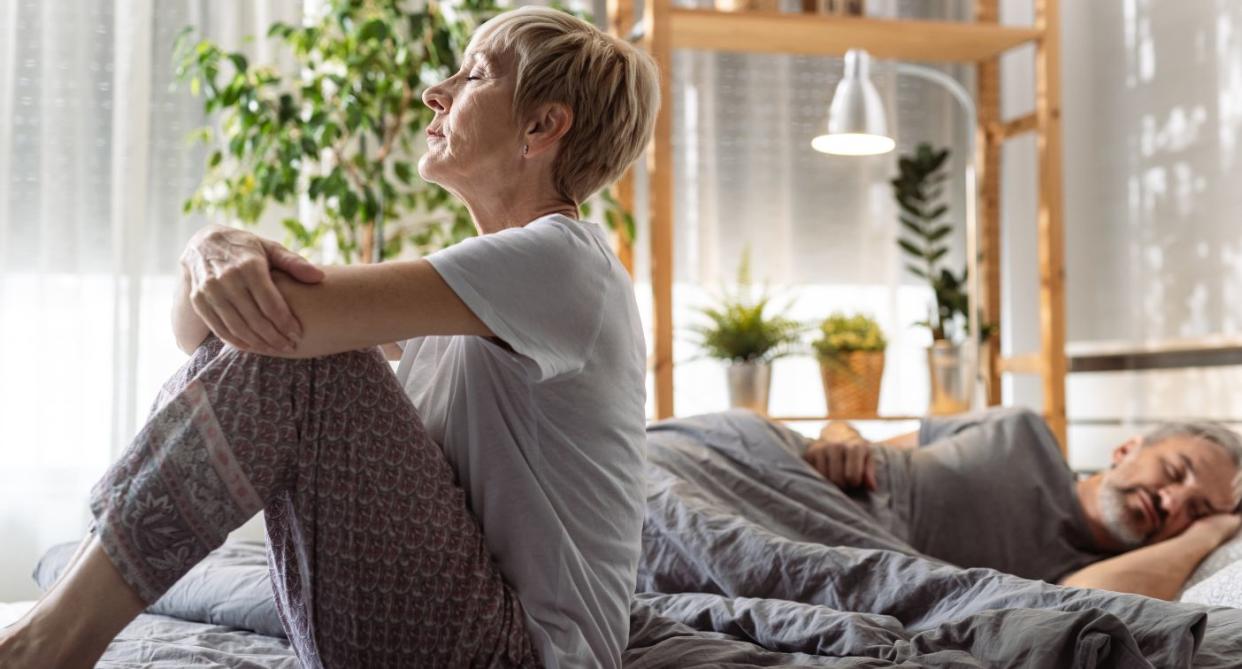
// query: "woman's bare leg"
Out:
[73,623]
[36,632]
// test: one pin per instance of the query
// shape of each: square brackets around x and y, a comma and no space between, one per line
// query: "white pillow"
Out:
[1224,588]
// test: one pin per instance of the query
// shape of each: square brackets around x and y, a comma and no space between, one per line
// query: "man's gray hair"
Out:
[1213,432]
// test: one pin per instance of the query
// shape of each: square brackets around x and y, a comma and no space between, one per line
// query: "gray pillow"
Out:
[229,587]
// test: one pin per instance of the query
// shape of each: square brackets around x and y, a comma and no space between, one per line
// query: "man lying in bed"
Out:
[993,490]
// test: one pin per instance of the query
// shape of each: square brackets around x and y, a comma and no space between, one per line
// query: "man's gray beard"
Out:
[1114,515]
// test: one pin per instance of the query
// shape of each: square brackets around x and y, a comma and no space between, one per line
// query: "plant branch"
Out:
[390,133]
[350,170]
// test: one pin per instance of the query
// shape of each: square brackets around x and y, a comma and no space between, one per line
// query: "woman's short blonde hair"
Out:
[611,87]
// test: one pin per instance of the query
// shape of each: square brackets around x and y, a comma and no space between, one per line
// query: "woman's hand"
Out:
[229,272]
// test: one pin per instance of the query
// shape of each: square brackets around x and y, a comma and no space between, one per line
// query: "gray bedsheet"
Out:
[161,642]
[782,559]
[751,559]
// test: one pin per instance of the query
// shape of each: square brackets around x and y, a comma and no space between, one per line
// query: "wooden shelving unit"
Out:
[812,34]
[861,418]
[665,28]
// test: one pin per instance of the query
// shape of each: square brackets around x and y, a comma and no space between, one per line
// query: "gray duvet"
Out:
[751,559]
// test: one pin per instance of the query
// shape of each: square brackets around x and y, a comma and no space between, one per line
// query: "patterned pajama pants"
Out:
[375,557]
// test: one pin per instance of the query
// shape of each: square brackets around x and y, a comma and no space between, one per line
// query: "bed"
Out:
[750,559]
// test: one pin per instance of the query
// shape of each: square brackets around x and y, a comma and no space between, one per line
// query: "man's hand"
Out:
[848,465]
[231,288]
[1216,529]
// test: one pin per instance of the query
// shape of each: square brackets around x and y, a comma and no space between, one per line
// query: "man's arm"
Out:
[843,456]
[907,440]
[1159,570]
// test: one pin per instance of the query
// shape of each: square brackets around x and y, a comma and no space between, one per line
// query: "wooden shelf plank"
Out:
[855,417]
[778,32]
[1170,354]
[1152,347]
[1027,363]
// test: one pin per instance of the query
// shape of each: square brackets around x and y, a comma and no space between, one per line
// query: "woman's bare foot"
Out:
[73,623]
[19,651]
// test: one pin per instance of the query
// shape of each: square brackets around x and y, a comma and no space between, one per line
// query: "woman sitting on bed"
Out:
[482,506]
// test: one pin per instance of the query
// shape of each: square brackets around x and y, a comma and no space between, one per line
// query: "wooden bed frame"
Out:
[664,28]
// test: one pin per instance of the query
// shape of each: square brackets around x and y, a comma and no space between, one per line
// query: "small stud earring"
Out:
[525,148]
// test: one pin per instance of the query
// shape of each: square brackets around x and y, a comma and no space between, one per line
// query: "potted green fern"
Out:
[850,349]
[741,331]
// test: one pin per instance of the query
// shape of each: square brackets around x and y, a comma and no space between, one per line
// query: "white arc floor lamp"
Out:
[857,126]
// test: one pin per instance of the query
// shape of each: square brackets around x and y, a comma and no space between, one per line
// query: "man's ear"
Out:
[549,123]
[1126,450]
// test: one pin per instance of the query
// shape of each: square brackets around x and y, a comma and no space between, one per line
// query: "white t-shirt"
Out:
[547,433]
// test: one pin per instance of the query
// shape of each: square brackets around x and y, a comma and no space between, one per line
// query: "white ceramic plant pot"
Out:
[749,383]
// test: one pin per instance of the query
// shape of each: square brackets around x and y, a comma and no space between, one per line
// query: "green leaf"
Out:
[403,171]
[349,206]
[910,247]
[215,159]
[939,233]
[912,226]
[239,61]
[375,29]
[909,207]
[296,229]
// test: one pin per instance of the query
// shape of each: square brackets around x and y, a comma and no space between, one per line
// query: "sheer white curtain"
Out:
[1153,159]
[94,164]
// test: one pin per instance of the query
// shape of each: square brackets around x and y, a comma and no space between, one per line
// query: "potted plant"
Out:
[341,129]
[919,191]
[850,350]
[740,331]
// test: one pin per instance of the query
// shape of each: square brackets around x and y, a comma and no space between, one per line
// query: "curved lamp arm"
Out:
[964,99]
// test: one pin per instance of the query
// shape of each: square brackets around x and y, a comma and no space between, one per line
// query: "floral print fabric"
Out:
[374,555]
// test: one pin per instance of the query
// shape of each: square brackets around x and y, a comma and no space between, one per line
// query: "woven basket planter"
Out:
[852,382]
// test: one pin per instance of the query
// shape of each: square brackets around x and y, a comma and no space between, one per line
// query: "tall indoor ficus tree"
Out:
[343,127]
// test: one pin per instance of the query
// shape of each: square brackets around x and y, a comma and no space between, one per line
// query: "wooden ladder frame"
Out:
[981,42]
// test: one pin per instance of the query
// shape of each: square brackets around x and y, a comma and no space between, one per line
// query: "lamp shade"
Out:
[857,124]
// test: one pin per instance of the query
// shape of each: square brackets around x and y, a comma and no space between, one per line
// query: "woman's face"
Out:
[474,138]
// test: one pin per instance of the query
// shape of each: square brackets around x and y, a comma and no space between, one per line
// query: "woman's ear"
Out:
[550,123]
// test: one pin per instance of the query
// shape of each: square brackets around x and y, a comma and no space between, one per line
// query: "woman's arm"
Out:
[1159,570]
[392,351]
[369,305]
[227,288]
[188,329]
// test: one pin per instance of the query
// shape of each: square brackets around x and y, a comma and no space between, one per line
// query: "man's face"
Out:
[1155,492]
